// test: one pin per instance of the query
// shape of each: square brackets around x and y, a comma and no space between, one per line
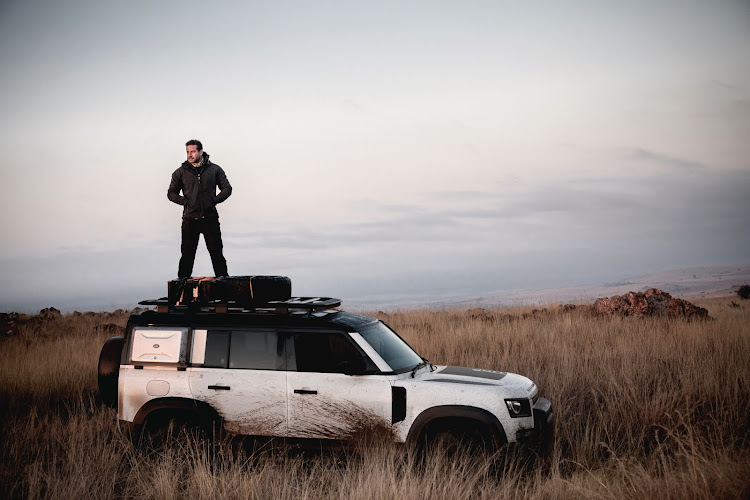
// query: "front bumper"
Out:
[543,430]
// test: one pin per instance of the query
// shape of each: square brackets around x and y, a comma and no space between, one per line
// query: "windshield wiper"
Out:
[424,362]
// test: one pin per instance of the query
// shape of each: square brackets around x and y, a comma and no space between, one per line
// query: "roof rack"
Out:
[306,304]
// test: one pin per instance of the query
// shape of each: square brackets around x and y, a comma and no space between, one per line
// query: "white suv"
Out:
[299,369]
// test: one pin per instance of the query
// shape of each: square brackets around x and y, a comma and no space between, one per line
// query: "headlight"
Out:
[517,408]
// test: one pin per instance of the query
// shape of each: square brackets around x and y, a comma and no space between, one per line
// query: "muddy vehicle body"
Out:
[307,372]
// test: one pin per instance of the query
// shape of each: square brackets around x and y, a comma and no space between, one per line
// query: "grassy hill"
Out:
[644,407]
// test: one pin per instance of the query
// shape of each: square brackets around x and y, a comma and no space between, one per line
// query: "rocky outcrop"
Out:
[652,302]
[49,313]
[679,308]
[109,328]
[9,324]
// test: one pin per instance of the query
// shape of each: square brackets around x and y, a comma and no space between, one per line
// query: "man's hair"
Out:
[194,142]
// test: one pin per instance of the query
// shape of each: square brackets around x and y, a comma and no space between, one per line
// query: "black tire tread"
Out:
[109,370]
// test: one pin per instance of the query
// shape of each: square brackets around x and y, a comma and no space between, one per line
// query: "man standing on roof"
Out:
[198,179]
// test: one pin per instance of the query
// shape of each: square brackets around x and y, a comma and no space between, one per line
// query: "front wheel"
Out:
[453,441]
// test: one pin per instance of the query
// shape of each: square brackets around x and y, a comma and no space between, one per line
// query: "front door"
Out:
[325,399]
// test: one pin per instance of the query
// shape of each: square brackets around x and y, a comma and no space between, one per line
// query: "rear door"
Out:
[325,399]
[241,373]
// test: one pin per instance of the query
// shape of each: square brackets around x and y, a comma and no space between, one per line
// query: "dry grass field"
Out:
[645,408]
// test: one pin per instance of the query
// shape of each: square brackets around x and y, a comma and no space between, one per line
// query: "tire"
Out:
[252,290]
[109,370]
[165,431]
[266,288]
[455,439]
[160,431]
[242,291]
[450,442]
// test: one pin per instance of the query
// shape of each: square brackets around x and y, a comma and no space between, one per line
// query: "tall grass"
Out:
[644,408]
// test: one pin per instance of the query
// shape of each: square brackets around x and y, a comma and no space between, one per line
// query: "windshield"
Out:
[394,351]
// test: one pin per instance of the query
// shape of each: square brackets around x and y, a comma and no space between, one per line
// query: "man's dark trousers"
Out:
[191,231]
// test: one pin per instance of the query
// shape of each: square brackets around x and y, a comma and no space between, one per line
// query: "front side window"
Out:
[394,351]
[327,353]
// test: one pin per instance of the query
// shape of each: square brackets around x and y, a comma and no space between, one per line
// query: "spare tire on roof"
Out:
[240,291]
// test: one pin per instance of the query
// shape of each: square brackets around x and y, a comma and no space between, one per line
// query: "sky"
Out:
[375,149]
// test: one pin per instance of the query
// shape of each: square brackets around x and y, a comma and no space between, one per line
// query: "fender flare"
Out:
[484,417]
[204,412]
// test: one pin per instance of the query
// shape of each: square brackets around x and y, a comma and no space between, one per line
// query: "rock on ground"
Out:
[652,302]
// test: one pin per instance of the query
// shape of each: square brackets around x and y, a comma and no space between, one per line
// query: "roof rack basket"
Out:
[294,304]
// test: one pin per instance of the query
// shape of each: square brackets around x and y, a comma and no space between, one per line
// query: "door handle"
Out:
[219,387]
[304,391]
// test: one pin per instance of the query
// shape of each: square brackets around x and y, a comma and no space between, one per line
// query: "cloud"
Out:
[562,231]
[405,224]
[470,196]
[563,213]
[559,210]
[85,278]
[644,155]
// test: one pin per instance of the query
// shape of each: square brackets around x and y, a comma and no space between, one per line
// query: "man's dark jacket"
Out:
[198,187]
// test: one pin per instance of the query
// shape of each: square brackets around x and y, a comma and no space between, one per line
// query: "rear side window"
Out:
[254,350]
[217,349]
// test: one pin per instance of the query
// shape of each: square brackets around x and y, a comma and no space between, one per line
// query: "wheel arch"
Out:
[184,407]
[444,415]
